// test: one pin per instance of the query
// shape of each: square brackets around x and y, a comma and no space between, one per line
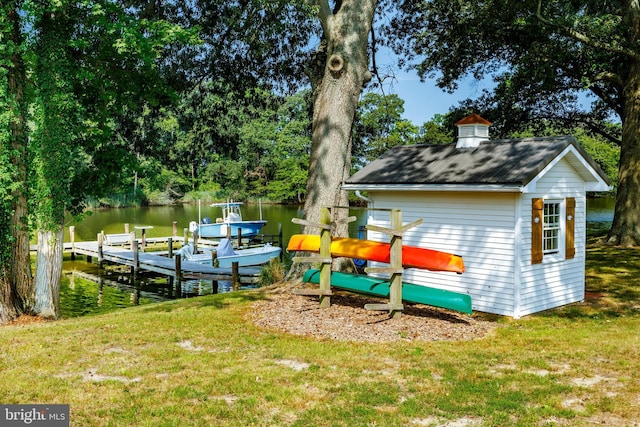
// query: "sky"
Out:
[423,100]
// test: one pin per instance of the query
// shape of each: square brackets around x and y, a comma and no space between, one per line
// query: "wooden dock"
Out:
[128,250]
[173,268]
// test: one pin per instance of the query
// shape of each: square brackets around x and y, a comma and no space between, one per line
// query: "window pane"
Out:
[551,228]
[550,240]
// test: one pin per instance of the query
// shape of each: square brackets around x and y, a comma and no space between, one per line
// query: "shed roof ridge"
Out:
[532,139]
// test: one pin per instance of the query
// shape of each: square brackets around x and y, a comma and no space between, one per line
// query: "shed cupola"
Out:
[472,130]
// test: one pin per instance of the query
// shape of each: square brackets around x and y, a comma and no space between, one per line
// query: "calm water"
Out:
[162,217]
[80,297]
[600,210]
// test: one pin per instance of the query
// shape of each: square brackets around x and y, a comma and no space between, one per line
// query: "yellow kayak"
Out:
[412,256]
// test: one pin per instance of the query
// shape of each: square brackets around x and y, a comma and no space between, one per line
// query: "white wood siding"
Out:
[492,233]
[480,227]
[554,282]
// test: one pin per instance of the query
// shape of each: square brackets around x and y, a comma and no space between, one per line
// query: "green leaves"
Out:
[275,146]
[379,126]
[542,62]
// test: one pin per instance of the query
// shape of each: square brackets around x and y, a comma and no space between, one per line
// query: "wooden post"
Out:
[144,240]
[126,228]
[135,294]
[195,242]
[214,283]
[239,237]
[72,237]
[280,241]
[395,287]
[175,228]
[100,289]
[132,238]
[100,253]
[235,275]
[325,252]
[136,263]
[170,247]
[178,273]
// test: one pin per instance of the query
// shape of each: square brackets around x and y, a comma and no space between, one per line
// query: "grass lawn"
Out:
[199,362]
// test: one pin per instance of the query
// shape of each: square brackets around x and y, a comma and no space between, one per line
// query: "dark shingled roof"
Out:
[494,162]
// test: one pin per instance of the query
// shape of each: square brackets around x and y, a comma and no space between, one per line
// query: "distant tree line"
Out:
[273,137]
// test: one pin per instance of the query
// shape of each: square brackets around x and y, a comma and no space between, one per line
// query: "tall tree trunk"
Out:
[337,82]
[625,229]
[14,259]
[20,256]
[48,273]
[53,137]
[8,309]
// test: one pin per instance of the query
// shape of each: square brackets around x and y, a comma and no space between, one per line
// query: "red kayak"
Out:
[412,256]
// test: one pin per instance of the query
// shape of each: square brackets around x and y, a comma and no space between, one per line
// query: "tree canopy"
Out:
[542,56]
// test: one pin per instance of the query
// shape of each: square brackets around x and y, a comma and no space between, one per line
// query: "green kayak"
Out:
[410,292]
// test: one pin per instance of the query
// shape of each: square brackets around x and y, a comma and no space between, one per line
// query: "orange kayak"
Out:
[412,256]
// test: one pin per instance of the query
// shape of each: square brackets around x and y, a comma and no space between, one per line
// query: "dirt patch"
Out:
[591,296]
[347,320]
[26,319]
[188,345]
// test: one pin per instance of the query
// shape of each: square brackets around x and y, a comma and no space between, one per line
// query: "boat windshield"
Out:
[230,211]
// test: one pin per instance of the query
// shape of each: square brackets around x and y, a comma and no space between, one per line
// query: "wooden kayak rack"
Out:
[395,269]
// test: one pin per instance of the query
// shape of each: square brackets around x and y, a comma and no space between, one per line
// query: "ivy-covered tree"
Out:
[57,120]
[16,285]
[88,65]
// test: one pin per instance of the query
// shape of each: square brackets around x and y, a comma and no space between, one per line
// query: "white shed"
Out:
[514,209]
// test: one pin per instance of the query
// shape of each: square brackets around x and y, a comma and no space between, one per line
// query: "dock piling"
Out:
[178,274]
[136,262]
[100,252]
[72,237]
[280,243]
[235,274]
[195,242]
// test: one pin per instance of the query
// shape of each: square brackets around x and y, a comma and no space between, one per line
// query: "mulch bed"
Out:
[347,320]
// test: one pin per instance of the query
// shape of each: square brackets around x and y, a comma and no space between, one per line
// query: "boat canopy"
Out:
[225,204]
